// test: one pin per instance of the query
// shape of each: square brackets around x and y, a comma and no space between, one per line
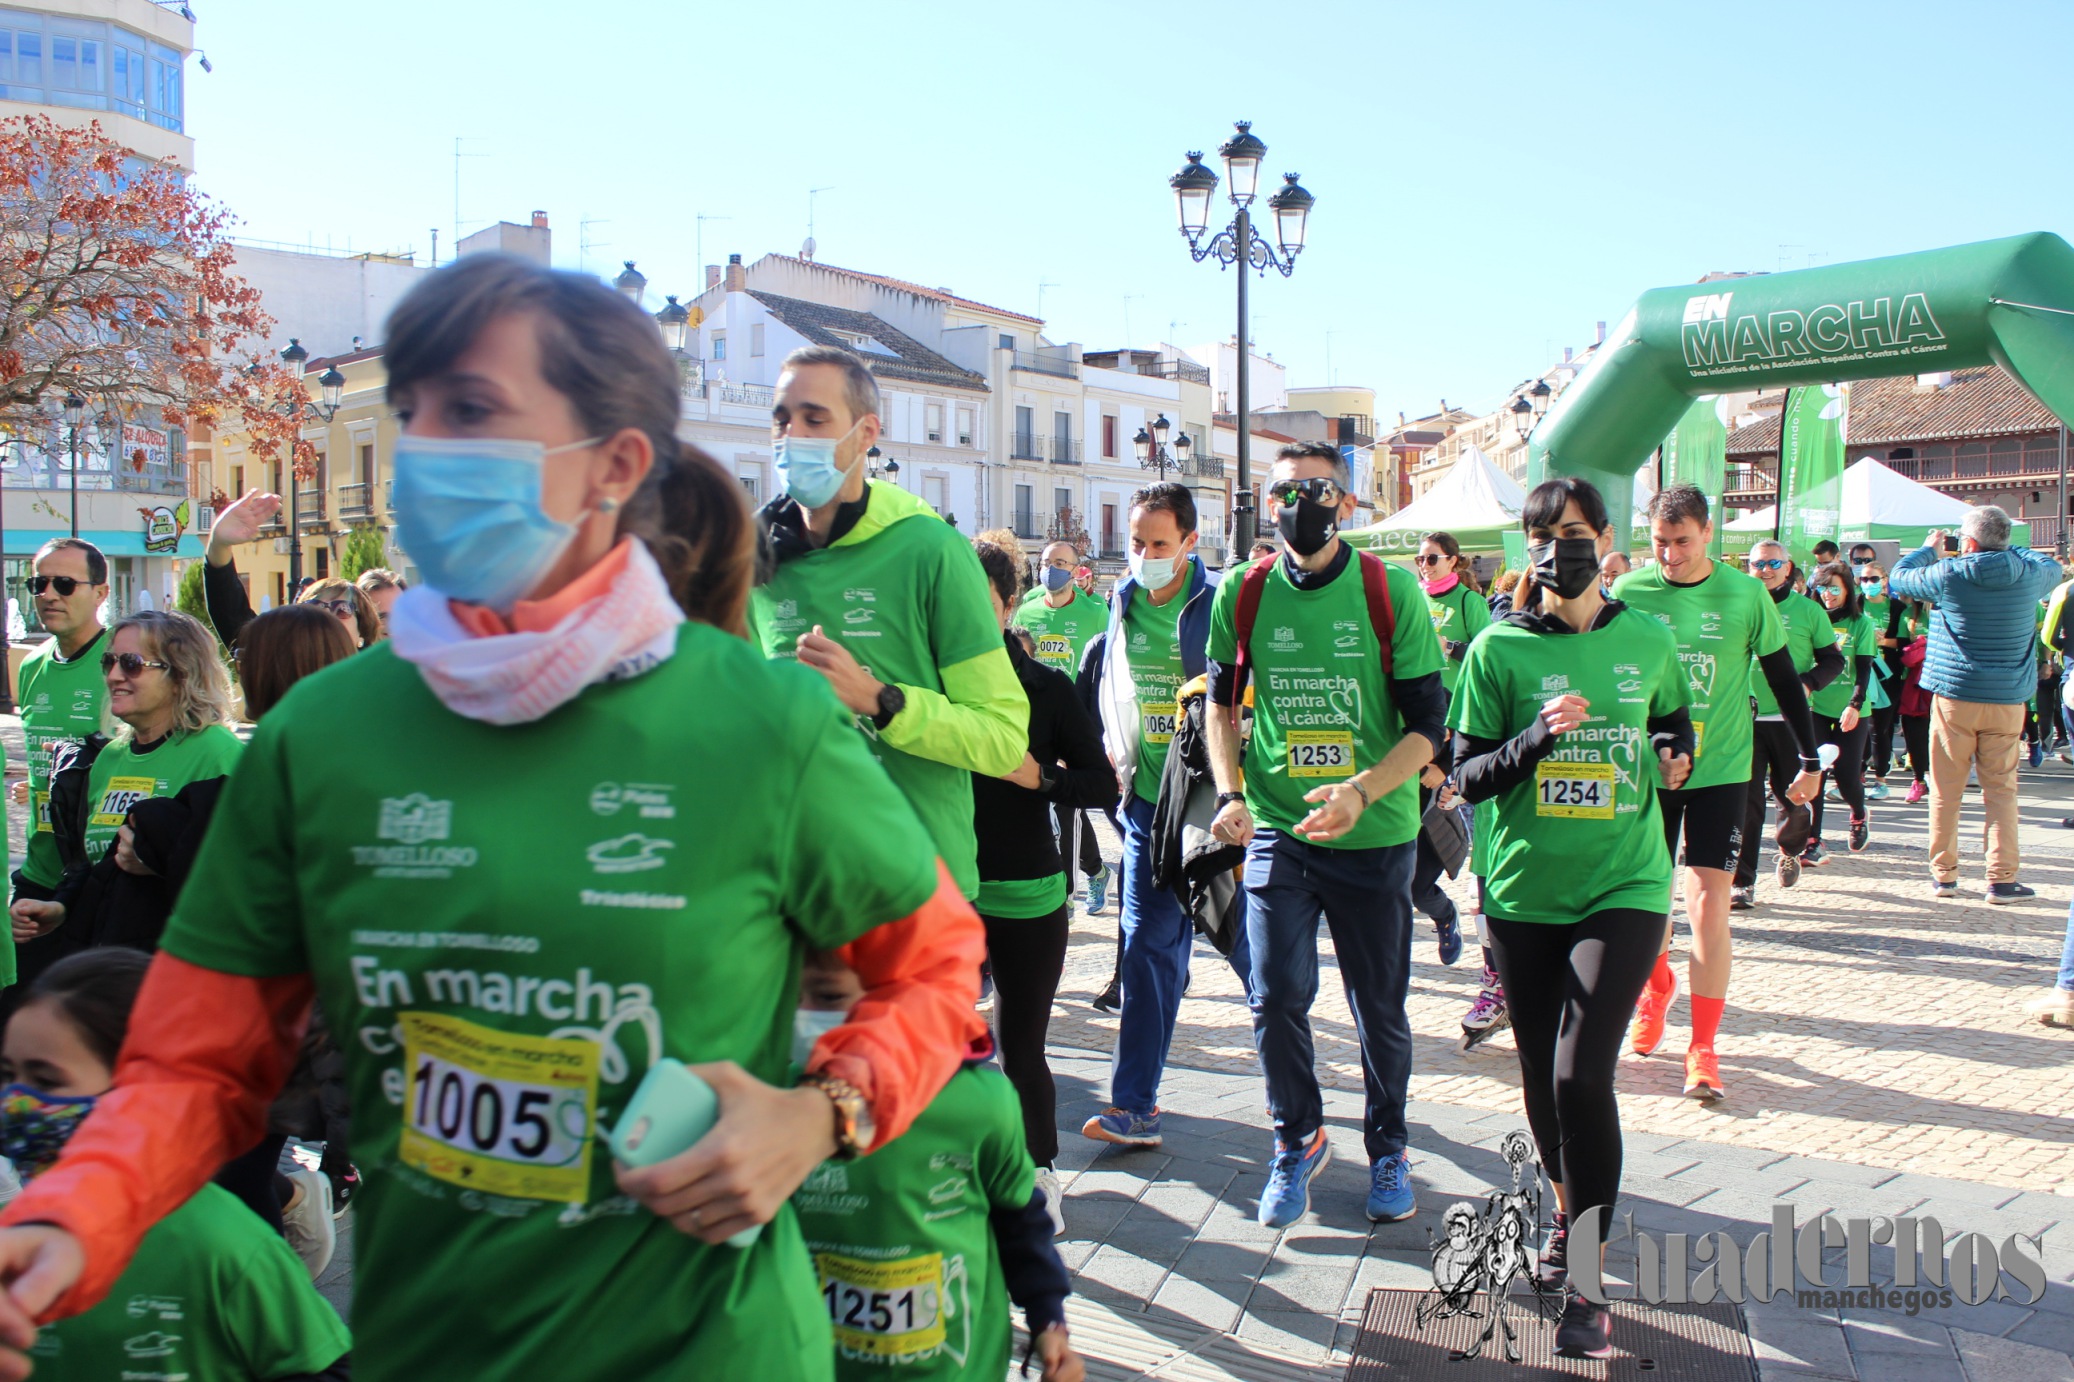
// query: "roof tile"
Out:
[1986,401]
[916,363]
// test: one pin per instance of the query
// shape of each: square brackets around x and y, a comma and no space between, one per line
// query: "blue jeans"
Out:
[1365,896]
[1157,940]
[2067,953]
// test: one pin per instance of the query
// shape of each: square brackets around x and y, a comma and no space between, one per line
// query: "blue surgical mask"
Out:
[34,1126]
[468,513]
[807,467]
[1057,578]
[1155,573]
[809,1025]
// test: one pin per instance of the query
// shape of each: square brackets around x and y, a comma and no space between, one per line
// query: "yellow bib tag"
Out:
[122,794]
[1699,738]
[1159,723]
[497,1112]
[1576,790]
[883,1308]
[1055,650]
[1321,752]
[42,813]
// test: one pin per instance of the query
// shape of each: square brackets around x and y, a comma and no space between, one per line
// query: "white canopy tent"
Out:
[1876,501]
[1475,501]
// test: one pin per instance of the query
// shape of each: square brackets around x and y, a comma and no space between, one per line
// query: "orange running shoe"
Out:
[1651,1008]
[1703,1075]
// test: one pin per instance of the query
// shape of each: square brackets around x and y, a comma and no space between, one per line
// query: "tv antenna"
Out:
[806,251]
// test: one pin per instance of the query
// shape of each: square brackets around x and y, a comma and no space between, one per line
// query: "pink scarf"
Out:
[516,678]
[1443,585]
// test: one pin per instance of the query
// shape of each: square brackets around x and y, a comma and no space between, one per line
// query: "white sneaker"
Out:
[2055,1008]
[1054,1203]
[306,1220]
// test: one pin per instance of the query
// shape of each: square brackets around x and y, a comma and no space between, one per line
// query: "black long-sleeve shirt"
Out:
[229,606]
[1014,824]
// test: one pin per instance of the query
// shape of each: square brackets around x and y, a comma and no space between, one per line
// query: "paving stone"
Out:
[1122,1271]
[1990,1359]
[1815,1345]
[1207,1261]
[1893,1333]
[1286,1286]
[1298,1333]
[1213,1305]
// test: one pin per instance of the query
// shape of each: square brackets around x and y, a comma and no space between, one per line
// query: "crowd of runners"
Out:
[642,818]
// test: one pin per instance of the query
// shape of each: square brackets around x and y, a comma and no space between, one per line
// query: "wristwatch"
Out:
[855,1128]
[892,700]
[1225,799]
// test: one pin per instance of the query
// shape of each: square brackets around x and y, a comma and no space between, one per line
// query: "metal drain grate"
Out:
[1687,1343]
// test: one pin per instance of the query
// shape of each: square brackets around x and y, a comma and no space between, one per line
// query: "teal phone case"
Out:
[670,1111]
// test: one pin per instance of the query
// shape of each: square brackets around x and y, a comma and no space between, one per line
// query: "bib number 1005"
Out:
[498,1112]
[499,1118]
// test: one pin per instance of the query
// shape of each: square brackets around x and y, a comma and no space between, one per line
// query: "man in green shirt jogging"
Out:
[879,595]
[1722,619]
[62,695]
[1348,706]
[1065,619]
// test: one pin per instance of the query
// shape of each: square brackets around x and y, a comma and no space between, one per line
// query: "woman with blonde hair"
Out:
[350,605]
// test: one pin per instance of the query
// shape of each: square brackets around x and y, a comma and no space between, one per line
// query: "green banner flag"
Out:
[1696,453]
[1811,467]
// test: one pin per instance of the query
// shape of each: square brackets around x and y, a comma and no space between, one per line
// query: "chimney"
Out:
[712,275]
[540,220]
[1566,355]
[737,276]
[1600,339]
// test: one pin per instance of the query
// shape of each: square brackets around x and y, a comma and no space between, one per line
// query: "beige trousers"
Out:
[1988,738]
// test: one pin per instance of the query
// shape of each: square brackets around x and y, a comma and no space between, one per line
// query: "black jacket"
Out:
[225,597]
[106,906]
[1014,824]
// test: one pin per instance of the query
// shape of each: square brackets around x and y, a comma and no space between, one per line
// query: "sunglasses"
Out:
[1318,489]
[341,608]
[131,663]
[1768,564]
[65,584]
[1432,558]
[1825,591]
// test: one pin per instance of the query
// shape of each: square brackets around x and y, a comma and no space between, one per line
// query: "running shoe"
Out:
[2066,754]
[1814,856]
[1448,935]
[344,1186]
[1876,790]
[1098,890]
[1124,1128]
[1487,1016]
[1651,1009]
[1938,889]
[1553,1270]
[1703,1075]
[2054,1008]
[1288,1193]
[1390,1196]
[2002,894]
[1831,793]
[1742,899]
[306,1220]
[1787,870]
[1861,834]
[1586,1330]
[2037,754]
[1917,791]
[1109,999]
[1054,1200]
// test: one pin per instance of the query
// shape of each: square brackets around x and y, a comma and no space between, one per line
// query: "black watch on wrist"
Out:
[892,700]
[1225,799]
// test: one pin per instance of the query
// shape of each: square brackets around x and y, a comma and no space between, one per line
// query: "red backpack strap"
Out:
[1251,584]
[1375,584]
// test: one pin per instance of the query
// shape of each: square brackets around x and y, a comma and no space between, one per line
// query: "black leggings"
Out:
[1848,773]
[1915,732]
[1028,954]
[1571,990]
[1880,754]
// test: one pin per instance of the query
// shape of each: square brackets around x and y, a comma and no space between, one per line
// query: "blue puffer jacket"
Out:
[1984,631]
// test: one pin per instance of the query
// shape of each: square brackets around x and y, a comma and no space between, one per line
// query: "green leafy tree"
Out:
[188,599]
[361,551]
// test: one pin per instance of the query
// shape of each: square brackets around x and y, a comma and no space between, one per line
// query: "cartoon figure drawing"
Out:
[1484,1251]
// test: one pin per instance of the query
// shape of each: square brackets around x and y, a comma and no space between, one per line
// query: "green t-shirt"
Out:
[907,600]
[60,700]
[212,1295]
[1585,833]
[1322,708]
[1855,638]
[1019,899]
[122,777]
[1806,625]
[1720,623]
[910,1273]
[507,926]
[1459,615]
[1152,649]
[1062,634]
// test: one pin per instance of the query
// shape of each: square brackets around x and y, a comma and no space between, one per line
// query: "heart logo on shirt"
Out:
[1345,702]
[1626,756]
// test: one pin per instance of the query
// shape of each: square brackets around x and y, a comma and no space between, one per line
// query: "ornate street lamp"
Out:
[332,385]
[675,321]
[75,416]
[1238,244]
[1523,417]
[1152,451]
[632,282]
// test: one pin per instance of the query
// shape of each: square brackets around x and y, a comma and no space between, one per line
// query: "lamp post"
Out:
[333,385]
[632,282]
[890,469]
[1239,244]
[75,417]
[1151,448]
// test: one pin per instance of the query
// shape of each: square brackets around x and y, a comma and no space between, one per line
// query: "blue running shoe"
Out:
[1098,891]
[1288,1192]
[1123,1127]
[1390,1195]
[1448,934]
[2037,754]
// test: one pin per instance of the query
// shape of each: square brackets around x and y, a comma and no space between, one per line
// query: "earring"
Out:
[608,505]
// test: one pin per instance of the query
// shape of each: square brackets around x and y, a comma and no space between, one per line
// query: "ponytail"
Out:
[695,520]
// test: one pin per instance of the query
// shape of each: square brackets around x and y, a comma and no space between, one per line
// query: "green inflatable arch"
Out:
[2007,301]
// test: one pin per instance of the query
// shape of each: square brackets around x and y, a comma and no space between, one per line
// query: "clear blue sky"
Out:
[1491,178]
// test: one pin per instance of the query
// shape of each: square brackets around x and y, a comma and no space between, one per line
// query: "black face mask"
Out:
[1307,525]
[1569,566]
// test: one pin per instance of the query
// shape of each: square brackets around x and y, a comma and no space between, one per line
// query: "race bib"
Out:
[42,809]
[884,1308]
[1055,651]
[1575,790]
[122,794]
[1699,738]
[1159,723]
[1321,753]
[497,1112]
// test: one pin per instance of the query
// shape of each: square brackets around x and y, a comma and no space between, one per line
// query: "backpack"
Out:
[1375,584]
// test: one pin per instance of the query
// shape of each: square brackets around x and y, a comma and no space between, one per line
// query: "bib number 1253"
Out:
[496,1112]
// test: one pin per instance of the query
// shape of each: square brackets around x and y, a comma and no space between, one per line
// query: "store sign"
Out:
[144,446]
[163,527]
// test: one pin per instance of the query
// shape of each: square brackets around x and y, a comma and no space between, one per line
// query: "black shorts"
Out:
[1712,819]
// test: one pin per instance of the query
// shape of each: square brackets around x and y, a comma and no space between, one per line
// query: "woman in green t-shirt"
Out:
[1885,716]
[1840,706]
[1569,715]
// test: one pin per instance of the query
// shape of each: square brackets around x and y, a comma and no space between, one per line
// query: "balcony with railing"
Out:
[1187,371]
[1066,526]
[1025,446]
[1025,524]
[1063,451]
[747,395]
[309,510]
[1749,480]
[356,503]
[1112,547]
[1060,366]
